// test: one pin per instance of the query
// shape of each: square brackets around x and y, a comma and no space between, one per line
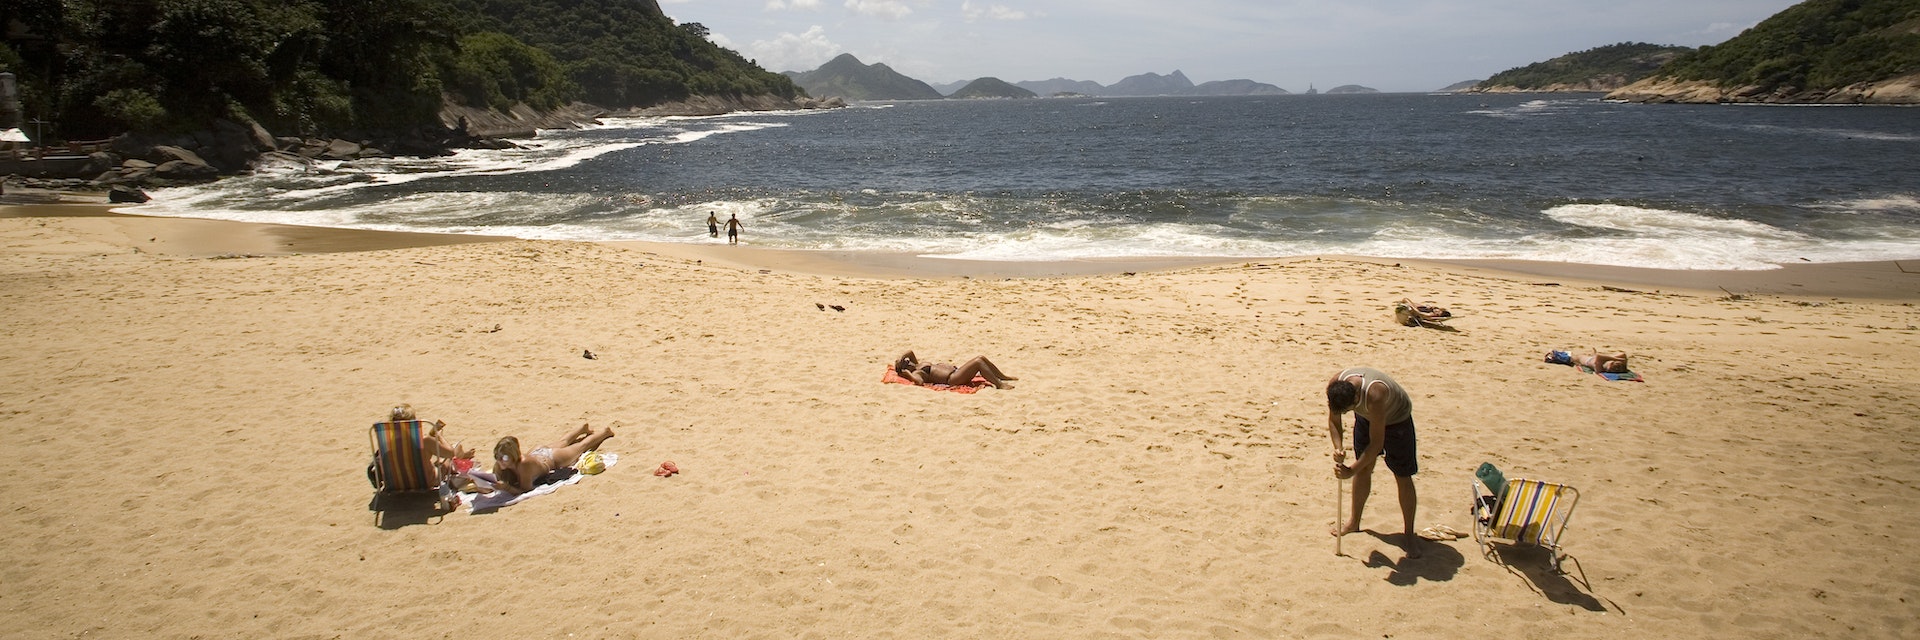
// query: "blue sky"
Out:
[1390,45]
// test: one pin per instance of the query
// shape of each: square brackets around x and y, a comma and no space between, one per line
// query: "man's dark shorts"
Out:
[1399,450]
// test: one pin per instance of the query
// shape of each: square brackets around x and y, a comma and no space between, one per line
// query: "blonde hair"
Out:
[508,449]
[401,412]
[506,452]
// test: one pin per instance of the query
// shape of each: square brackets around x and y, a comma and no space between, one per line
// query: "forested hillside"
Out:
[1813,46]
[97,68]
[1817,50]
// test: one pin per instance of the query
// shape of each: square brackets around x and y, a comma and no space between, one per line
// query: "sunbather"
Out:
[1599,362]
[1413,314]
[909,366]
[521,473]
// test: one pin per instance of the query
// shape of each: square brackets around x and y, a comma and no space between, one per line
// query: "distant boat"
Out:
[1312,91]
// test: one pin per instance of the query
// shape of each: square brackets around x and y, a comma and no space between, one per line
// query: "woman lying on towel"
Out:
[1414,314]
[910,367]
[1599,362]
[521,473]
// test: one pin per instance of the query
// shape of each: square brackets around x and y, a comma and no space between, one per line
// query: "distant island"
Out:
[1351,88]
[1818,51]
[1599,69]
[984,88]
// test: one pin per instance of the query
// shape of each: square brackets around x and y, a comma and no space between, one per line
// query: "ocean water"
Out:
[1535,177]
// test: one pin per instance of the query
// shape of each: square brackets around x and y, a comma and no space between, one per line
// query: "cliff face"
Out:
[1901,90]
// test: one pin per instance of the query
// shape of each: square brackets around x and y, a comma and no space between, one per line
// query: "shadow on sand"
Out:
[1566,587]
[1438,561]
[392,511]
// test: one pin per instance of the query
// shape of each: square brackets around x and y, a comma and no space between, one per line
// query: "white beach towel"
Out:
[478,502]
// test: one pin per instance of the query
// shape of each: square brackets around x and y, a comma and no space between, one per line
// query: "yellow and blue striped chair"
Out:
[1524,512]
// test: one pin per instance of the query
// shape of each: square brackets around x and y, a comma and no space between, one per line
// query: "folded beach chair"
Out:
[399,465]
[1521,512]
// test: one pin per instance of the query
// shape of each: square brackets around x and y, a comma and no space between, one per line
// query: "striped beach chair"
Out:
[1523,512]
[399,465]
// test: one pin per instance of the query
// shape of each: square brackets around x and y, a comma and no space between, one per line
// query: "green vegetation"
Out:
[97,68]
[1613,65]
[624,53]
[1813,46]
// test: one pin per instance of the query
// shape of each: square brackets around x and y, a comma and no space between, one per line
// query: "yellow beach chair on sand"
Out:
[1521,512]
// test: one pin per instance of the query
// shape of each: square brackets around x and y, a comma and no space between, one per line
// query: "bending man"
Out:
[1382,427]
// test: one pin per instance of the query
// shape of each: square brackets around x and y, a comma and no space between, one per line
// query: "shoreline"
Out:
[1881,280]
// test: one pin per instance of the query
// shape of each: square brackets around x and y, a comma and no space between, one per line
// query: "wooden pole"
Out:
[1339,514]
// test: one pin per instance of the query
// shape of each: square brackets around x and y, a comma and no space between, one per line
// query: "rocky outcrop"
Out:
[521,121]
[1900,90]
[713,106]
[1597,84]
[227,148]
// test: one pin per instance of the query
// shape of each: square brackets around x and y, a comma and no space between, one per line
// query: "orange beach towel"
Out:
[894,377]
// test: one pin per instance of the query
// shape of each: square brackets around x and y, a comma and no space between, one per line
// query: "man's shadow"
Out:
[1438,561]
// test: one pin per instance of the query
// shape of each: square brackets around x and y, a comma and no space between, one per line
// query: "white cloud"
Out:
[777,5]
[794,52]
[892,9]
[974,12]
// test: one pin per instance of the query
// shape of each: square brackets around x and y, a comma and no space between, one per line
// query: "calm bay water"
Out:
[1558,178]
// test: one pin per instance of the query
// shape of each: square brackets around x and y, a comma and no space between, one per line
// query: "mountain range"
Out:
[845,76]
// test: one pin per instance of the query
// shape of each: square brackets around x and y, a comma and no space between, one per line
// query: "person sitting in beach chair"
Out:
[1412,314]
[410,457]
[520,473]
[1521,512]
[909,366]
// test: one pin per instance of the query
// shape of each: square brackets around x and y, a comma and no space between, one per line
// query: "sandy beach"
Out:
[190,400]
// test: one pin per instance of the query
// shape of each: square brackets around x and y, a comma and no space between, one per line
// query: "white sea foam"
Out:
[1891,203]
[1530,108]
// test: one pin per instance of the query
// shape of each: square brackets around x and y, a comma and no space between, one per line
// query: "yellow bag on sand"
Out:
[590,463]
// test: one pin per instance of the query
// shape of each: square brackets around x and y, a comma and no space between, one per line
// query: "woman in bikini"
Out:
[1604,362]
[521,473]
[910,367]
[1600,362]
